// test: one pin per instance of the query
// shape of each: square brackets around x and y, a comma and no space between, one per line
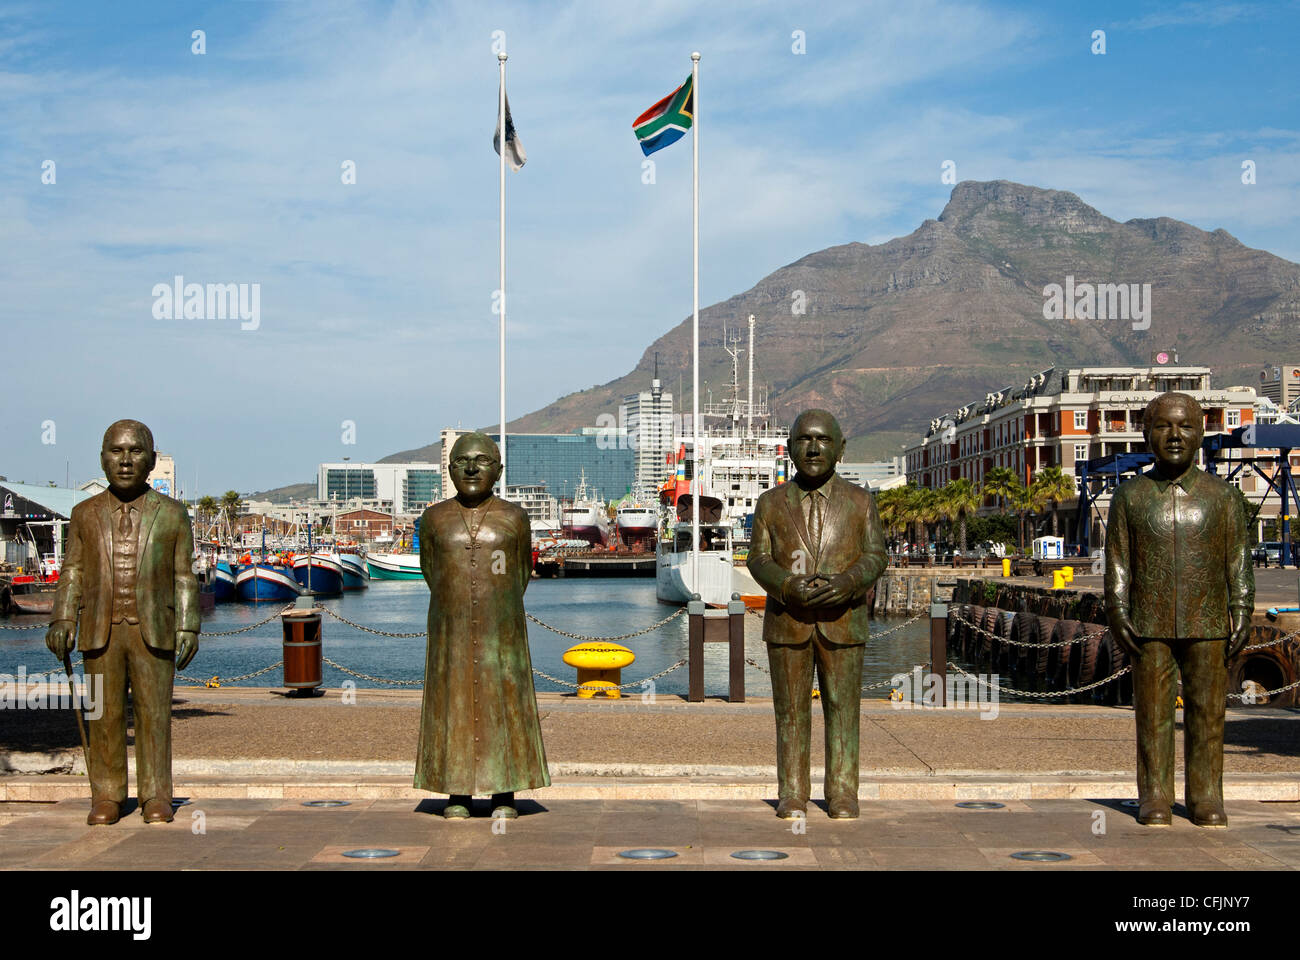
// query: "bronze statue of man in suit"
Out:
[817,548]
[479,728]
[128,580]
[1180,592]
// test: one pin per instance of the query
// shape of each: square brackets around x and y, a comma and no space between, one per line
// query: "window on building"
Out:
[1080,451]
[1081,419]
[1234,418]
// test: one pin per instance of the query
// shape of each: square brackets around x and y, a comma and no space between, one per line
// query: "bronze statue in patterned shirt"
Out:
[1180,592]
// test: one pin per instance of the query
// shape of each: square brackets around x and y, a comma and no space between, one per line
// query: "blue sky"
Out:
[376,296]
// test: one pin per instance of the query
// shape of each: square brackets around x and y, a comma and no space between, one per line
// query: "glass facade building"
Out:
[558,460]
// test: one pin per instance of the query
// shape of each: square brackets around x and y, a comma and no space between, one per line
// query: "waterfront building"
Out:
[557,460]
[163,476]
[411,486]
[873,474]
[1281,384]
[646,419]
[1062,418]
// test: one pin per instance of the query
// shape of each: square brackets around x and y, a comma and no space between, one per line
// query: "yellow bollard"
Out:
[1058,580]
[599,666]
[1006,567]
[1067,573]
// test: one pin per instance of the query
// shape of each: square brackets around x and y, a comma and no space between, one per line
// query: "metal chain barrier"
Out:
[378,633]
[621,686]
[365,676]
[1035,695]
[251,626]
[218,681]
[1251,697]
[1019,643]
[623,636]
[34,626]
[52,673]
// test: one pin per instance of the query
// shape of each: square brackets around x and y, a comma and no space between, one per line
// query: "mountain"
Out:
[895,334]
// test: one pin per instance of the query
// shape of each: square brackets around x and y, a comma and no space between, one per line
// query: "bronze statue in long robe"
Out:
[479,728]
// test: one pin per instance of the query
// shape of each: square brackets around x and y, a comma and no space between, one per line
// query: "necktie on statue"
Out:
[815,522]
[124,528]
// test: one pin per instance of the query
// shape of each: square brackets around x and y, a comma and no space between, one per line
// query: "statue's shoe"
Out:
[792,809]
[1155,814]
[846,809]
[457,808]
[104,812]
[503,806]
[157,811]
[1208,814]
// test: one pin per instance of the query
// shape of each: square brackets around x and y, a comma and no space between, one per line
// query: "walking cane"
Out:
[76,709]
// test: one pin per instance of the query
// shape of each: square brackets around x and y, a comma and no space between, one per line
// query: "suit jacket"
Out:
[852,541]
[166,589]
[1177,556]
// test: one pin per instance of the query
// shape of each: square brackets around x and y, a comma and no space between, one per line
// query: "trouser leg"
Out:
[151,699]
[1205,681]
[106,734]
[839,672]
[792,668]
[1154,693]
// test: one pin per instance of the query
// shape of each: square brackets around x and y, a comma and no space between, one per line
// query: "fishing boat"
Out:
[585,517]
[223,581]
[266,581]
[636,523]
[319,573]
[676,574]
[394,566]
[355,574]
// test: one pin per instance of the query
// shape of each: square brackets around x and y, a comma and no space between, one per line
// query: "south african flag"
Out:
[667,121]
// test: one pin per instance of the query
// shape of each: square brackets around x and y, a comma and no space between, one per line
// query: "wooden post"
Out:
[939,648]
[736,643]
[695,649]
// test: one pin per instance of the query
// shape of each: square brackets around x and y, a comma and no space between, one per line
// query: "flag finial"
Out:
[696,56]
[501,55]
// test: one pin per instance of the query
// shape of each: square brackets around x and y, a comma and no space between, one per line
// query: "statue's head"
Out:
[475,462]
[1173,425]
[128,457]
[816,445]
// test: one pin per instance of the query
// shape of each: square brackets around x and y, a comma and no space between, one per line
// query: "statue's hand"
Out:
[799,588]
[1124,634]
[187,644]
[833,591]
[60,637]
[1240,634]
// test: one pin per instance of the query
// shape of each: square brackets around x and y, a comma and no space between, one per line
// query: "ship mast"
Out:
[749,407]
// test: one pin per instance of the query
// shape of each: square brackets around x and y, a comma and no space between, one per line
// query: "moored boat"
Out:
[320,573]
[355,574]
[259,582]
[394,566]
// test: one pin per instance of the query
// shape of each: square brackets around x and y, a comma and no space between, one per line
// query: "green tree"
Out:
[1021,500]
[960,499]
[1052,486]
[999,482]
[230,501]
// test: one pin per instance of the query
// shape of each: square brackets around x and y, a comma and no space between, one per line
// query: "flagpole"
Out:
[501,117]
[696,481]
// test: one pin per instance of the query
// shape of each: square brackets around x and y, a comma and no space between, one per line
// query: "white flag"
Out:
[515,155]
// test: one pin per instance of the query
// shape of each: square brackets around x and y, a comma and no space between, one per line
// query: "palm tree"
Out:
[961,499]
[1021,500]
[230,501]
[925,511]
[999,482]
[1052,487]
[891,504]
[206,508]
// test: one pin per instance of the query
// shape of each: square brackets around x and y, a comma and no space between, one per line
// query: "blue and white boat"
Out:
[355,574]
[321,573]
[260,582]
[224,581]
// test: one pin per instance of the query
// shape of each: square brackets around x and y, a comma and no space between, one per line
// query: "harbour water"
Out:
[596,607]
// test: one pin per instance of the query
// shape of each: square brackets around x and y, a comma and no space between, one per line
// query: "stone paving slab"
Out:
[588,835]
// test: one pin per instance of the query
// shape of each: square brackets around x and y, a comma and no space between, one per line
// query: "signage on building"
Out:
[163,486]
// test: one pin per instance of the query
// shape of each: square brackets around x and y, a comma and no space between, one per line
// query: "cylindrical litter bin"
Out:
[302,650]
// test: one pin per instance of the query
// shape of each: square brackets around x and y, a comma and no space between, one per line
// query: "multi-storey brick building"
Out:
[1060,418]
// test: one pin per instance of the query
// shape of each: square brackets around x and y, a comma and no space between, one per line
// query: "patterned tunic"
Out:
[1177,560]
[479,729]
